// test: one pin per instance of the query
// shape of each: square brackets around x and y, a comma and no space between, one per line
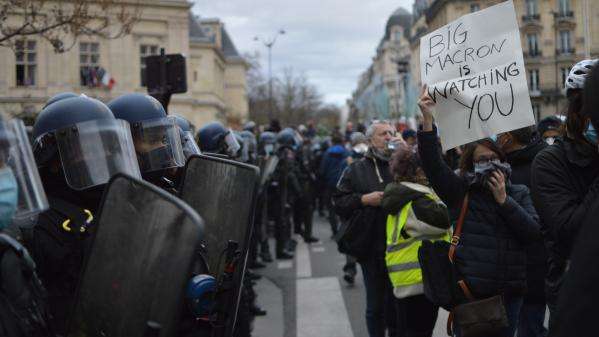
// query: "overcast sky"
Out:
[331,41]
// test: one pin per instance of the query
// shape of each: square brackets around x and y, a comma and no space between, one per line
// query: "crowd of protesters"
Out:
[525,202]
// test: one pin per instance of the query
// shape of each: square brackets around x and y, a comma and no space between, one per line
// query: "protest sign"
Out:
[475,73]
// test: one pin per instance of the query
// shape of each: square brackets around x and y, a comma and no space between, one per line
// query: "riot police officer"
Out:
[156,137]
[23,311]
[78,145]
[267,161]
[282,192]
[214,138]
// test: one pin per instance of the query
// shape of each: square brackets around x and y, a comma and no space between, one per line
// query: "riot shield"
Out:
[224,192]
[139,263]
[267,168]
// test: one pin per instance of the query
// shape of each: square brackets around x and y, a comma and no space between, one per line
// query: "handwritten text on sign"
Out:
[475,73]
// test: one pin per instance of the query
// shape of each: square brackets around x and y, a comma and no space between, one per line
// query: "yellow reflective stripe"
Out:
[408,242]
[403,266]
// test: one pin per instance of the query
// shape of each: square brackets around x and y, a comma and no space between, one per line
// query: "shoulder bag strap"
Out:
[455,239]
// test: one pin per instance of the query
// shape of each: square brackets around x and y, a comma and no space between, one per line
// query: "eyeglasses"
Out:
[486,159]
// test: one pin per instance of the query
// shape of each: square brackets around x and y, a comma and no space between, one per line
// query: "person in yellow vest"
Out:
[415,213]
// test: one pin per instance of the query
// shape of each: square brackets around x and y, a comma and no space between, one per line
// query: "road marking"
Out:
[318,249]
[284,264]
[303,265]
[320,308]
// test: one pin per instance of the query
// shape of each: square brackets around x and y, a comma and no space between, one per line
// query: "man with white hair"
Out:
[358,198]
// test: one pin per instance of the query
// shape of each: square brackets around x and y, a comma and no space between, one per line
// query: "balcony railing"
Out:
[564,15]
[534,53]
[564,51]
[531,18]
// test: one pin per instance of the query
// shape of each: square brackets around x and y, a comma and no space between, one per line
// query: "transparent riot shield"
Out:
[268,167]
[224,192]
[139,263]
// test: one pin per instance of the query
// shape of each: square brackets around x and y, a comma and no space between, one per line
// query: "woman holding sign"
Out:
[499,219]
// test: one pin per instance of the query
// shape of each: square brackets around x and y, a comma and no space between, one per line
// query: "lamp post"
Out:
[269,43]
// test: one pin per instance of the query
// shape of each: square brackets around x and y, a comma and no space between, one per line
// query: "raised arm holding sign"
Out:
[474,72]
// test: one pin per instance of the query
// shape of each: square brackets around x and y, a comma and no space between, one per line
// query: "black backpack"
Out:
[22,296]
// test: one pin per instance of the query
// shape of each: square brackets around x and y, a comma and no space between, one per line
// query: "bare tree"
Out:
[61,22]
[296,100]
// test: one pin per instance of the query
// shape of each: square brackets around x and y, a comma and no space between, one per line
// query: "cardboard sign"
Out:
[475,73]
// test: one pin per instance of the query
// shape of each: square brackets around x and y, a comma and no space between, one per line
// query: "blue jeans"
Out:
[381,306]
[532,317]
[512,308]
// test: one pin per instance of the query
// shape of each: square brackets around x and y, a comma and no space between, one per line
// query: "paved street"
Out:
[307,297]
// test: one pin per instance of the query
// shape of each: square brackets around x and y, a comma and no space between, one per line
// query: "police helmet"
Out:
[60,96]
[91,144]
[19,177]
[286,138]
[215,138]
[156,136]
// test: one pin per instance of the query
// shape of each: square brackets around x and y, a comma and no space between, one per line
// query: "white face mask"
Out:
[360,148]
[550,140]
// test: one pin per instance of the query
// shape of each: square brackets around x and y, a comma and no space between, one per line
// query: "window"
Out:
[533,79]
[144,51]
[533,44]
[89,63]
[564,40]
[474,7]
[564,6]
[564,72]
[397,35]
[531,7]
[25,62]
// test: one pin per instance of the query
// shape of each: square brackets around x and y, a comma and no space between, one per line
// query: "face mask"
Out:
[8,197]
[493,137]
[591,134]
[550,140]
[482,171]
[360,148]
[269,149]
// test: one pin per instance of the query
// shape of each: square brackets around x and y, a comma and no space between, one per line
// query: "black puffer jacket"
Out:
[491,255]
[362,177]
[565,181]
[536,254]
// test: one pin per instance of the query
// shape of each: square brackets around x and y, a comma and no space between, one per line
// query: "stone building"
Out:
[382,88]
[105,69]
[555,34]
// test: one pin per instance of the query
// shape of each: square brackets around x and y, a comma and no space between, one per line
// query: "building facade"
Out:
[382,89]
[107,68]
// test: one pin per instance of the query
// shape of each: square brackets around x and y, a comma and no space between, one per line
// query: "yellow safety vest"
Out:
[402,254]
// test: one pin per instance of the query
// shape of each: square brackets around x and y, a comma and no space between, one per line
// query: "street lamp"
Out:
[269,43]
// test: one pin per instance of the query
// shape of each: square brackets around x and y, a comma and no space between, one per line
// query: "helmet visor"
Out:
[232,144]
[16,159]
[93,151]
[190,147]
[158,144]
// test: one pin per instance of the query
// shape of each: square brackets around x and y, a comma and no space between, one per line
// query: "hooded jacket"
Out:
[432,214]
[491,255]
[333,164]
[565,182]
[536,254]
